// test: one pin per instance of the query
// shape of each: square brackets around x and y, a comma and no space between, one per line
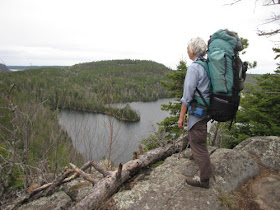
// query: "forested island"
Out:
[32,143]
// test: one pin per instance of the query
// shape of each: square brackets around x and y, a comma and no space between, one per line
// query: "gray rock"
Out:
[166,189]
[77,189]
[232,169]
[265,149]
[59,200]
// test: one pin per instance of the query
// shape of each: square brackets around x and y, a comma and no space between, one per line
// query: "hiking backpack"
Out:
[227,74]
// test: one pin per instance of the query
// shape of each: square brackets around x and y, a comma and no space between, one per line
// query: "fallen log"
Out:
[83,174]
[58,182]
[109,185]
[100,169]
[49,187]
[106,187]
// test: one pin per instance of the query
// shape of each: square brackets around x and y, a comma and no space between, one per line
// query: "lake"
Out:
[91,133]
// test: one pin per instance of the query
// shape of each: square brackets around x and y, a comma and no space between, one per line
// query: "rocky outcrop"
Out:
[163,186]
[232,168]
[59,200]
[265,149]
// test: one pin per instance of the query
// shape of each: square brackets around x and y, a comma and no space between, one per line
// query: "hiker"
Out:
[196,77]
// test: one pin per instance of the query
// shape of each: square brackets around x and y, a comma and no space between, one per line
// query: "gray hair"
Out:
[197,46]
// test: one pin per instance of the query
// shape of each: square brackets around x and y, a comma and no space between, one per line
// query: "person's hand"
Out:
[181,124]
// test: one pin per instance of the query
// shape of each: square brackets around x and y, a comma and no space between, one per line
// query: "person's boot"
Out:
[196,182]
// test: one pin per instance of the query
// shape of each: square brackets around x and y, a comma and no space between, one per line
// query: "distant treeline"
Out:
[91,86]
[30,67]
[251,80]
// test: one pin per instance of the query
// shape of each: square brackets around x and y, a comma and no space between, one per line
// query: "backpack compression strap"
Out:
[203,99]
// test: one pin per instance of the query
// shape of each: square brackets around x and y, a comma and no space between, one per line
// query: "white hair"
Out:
[197,46]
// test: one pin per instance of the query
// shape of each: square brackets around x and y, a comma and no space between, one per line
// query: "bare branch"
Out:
[100,169]
[232,3]
[141,149]
[119,172]
[272,3]
[83,174]
[134,155]
[58,181]
[74,176]
[271,33]
[273,18]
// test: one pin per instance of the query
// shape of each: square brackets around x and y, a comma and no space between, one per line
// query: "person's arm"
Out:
[181,121]
[190,85]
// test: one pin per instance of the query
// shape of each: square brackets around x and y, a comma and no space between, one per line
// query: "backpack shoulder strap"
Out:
[204,63]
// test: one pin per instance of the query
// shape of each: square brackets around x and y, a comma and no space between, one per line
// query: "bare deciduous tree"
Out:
[275,18]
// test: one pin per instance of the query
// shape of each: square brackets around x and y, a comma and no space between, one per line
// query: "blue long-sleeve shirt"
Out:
[196,77]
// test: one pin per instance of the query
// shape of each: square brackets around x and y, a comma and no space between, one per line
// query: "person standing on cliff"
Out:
[196,78]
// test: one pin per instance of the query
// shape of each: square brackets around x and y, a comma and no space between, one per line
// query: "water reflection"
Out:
[91,133]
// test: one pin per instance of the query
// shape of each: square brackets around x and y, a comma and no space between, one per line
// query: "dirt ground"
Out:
[245,196]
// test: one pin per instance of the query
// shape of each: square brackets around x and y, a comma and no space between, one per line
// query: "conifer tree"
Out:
[260,111]
[175,86]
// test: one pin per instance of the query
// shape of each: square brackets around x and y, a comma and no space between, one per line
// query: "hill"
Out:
[91,86]
[3,68]
[124,80]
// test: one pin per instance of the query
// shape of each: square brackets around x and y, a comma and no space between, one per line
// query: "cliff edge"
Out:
[246,177]
[256,160]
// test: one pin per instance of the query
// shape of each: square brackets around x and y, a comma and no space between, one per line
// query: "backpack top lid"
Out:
[226,40]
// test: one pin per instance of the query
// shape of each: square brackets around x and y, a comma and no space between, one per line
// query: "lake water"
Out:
[91,133]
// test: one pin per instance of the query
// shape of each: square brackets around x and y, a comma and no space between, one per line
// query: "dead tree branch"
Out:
[106,187]
[49,188]
[100,169]
[141,149]
[83,174]
[58,182]
[110,185]
[271,33]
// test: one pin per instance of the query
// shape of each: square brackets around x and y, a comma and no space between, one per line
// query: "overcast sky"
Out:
[67,32]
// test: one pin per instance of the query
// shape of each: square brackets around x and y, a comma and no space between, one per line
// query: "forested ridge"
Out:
[32,144]
[123,80]
[91,86]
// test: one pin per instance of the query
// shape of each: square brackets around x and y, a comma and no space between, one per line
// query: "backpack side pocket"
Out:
[218,71]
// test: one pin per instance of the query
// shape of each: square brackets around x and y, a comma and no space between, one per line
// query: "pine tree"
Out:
[175,86]
[260,112]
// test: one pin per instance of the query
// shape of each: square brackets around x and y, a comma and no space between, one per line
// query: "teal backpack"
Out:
[227,74]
